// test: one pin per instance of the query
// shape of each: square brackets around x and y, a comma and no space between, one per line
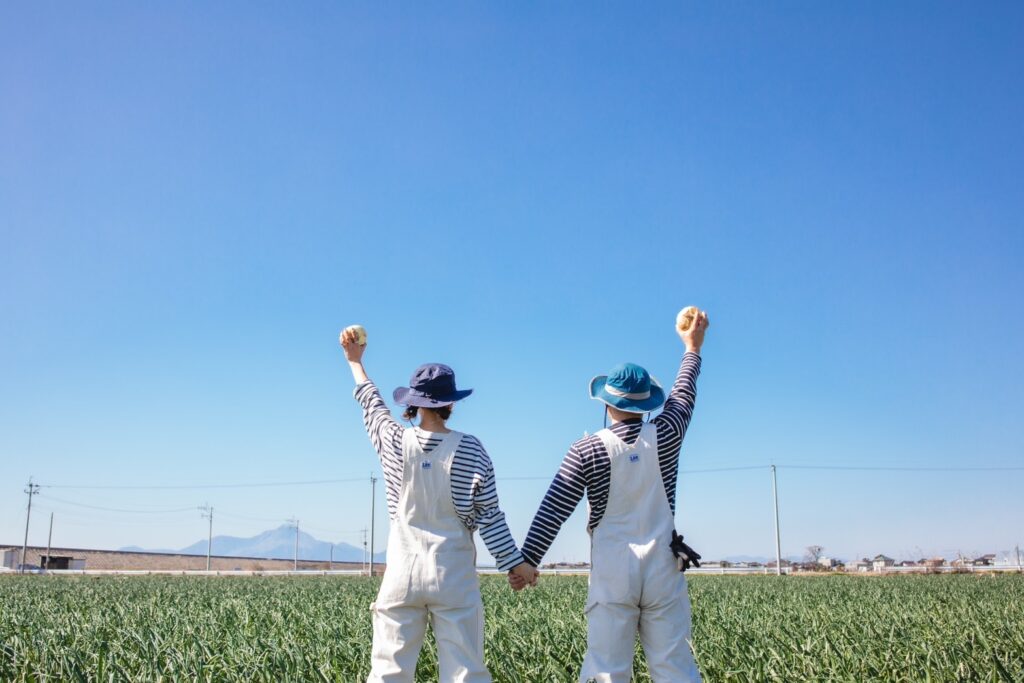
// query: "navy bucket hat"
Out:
[431,386]
[628,387]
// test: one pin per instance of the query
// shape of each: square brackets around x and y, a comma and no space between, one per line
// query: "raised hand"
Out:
[693,336]
[353,341]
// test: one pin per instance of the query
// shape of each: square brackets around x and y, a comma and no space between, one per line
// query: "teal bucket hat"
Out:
[628,387]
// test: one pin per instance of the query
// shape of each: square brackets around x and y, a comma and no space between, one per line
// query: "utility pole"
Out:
[207,513]
[373,496]
[778,543]
[1016,549]
[364,550]
[295,523]
[330,565]
[31,490]
[49,543]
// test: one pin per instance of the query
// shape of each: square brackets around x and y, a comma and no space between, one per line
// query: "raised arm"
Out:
[675,415]
[384,430]
[354,354]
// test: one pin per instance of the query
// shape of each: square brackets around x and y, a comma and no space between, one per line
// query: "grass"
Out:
[746,628]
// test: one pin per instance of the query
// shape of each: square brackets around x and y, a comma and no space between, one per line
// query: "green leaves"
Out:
[764,628]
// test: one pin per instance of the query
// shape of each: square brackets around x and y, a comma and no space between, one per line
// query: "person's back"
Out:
[440,488]
[628,472]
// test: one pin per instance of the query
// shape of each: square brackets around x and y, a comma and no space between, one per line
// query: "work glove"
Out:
[686,556]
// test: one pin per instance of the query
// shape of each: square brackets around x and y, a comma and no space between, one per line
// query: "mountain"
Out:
[276,543]
[139,549]
[760,558]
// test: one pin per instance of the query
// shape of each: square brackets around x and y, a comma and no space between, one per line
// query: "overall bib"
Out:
[430,576]
[635,584]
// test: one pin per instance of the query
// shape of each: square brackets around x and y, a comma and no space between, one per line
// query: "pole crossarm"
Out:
[32,490]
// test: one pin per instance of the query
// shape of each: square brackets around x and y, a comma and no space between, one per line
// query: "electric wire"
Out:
[708,470]
[148,487]
[888,468]
[109,509]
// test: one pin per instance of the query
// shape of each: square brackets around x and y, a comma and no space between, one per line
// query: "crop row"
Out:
[754,628]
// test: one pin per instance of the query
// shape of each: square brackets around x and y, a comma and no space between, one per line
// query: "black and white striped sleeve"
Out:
[564,494]
[386,436]
[475,496]
[674,420]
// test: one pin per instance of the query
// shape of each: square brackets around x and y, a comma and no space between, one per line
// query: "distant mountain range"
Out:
[756,558]
[278,544]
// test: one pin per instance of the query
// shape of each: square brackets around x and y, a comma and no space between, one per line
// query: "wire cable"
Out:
[108,509]
[886,468]
[310,482]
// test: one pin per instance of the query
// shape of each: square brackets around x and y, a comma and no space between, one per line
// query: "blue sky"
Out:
[195,199]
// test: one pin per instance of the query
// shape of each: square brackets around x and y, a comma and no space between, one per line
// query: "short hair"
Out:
[444,412]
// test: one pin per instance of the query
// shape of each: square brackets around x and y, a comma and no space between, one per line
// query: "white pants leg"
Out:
[459,632]
[611,641]
[397,639]
[665,636]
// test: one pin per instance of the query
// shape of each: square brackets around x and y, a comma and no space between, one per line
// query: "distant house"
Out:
[985,560]
[1008,560]
[861,565]
[934,562]
[908,563]
[828,562]
[881,562]
[60,562]
[716,564]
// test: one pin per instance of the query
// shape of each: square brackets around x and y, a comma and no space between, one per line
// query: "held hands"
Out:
[693,335]
[522,575]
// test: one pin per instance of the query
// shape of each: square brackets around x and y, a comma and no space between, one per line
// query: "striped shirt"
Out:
[587,467]
[473,490]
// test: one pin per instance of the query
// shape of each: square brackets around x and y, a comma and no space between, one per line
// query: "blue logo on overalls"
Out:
[426,464]
[634,457]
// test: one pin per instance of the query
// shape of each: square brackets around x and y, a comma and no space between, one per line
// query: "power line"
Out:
[221,513]
[107,509]
[137,487]
[709,470]
[725,469]
[250,518]
[886,468]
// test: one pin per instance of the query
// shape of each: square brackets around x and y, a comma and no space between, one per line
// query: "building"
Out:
[881,562]
[84,558]
[716,564]
[861,565]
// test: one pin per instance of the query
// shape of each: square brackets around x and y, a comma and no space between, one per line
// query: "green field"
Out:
[753,628]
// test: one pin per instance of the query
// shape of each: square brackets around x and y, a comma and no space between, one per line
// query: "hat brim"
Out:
[627,405]
[410,397]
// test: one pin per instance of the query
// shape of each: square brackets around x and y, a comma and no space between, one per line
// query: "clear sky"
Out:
[196,198]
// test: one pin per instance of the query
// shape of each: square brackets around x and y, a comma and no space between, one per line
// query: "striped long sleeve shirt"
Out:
[586,468]
[474,493]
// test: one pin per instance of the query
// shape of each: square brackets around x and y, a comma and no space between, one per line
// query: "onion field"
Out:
[747,628]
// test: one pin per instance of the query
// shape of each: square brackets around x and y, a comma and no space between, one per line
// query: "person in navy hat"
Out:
[440,489]
[628,472]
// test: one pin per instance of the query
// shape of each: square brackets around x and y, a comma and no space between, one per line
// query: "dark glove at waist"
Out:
[687,557]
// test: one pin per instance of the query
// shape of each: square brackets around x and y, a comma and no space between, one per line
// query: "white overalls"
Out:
[635,584]
[430,576]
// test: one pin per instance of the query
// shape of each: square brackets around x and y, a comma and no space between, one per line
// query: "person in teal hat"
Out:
[628,472]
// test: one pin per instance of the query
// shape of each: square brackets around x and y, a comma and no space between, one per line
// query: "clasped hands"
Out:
[522,575]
